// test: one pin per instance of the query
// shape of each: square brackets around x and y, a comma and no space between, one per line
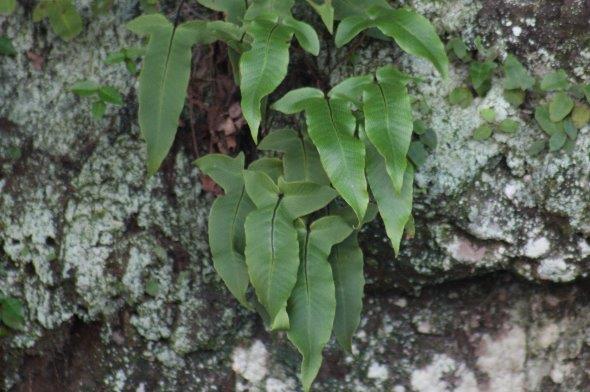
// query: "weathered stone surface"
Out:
[83,231]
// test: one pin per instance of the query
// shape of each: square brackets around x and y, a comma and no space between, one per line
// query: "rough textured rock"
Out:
[83,232]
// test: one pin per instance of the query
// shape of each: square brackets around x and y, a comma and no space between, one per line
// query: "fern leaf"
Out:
[234,10]
[312,305]
[415,35]
[350,27]
[297,100]
[347,268]
[395,208]
[272,167]
[351,88]
[263,68]
[389,126]
[163,81]
[261,189]
[272,257]
[226,222]
[331,127]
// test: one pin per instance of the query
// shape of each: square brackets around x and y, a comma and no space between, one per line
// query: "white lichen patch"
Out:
[250,363]
[556,269]
[502,358]
[537,247]
[435,376]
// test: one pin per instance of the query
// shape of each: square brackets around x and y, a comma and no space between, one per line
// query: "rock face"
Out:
[114,269]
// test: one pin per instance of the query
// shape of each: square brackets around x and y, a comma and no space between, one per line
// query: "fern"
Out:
[284,235]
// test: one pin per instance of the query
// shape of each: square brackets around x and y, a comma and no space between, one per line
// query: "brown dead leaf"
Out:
[37,61]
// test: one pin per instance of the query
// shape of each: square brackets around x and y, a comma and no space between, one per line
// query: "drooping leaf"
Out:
[263,68]
[272,257]
[331,127]
[516,75]
[560,106]
[395,207]
[303,198]
[305,35]
[163,80]
[226,222]
[326,12]
[556,81]
[389,125]
[349,281]
[301,159]
[415,35]
[11,313]
[312,305]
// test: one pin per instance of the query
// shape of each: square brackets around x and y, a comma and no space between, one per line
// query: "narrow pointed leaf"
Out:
[305,34]
[272,257]
[395,208]
[312,305]
[303,198]
[163,82]
[331,127]
[415,35]
[263,68]
[261,189]
[347,268]
[301,160]
[227,241]
[224,170]
[389,125]
[296,101]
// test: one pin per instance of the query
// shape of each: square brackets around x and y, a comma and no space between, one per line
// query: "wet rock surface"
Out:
[83,233]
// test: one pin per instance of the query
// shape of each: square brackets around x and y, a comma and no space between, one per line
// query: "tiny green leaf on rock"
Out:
[514,97]
[461,96]
[483,132]
[560,106]
[508,126]
[11,313]
[557,141]
[488,114]
[542,117]
[85,88]
[6,46]
[517,77]
[556,81]
[581,115]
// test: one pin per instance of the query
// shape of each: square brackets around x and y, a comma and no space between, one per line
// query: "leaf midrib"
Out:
[272,252]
